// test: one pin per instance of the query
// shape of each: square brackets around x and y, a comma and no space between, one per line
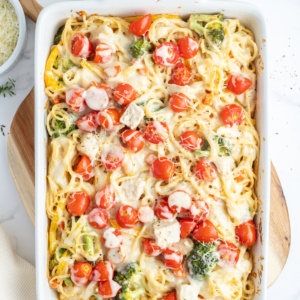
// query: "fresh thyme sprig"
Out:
[7,88]
[2,129]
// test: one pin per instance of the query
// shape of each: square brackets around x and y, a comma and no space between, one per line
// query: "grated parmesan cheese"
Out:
[9,30]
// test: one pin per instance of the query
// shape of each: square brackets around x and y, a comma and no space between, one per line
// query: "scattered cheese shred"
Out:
[9,30]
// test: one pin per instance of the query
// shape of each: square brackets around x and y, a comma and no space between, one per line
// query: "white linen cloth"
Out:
[17,276]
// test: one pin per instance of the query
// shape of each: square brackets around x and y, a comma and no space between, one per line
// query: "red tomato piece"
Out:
[246,233]
[199,210]
[106,198]
[108,289]
[88,122]
[112,238]
[112,71]
[57,100]
[102,271]
[188,47]
[78,203]
[173,258]
[187,225]
[108,118]
[205,171]
[180,75]
[127,216]
[98,218]
[85,168]
[140,26]
[103,53]
[145,214]
[171,296]
[205,232]
[80,273]
[162,209]
[81,45]
[166,54]
[96,98]
[238,84]
[156,132]
[151,248]
[162,168]
[112,157]
[179,201]
[75,100]
[180,273]
[232,114]
[125,93]
[191,140]
[116,255]
[229,254]
[133,139]
[179,102]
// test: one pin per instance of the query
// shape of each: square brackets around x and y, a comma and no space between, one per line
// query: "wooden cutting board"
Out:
[20,150]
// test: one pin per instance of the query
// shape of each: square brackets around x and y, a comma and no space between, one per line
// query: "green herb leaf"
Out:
[7,88]
[2,129]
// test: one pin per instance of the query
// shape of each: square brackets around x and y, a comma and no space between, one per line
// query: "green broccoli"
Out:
[58,34]
[130,279]
[67,63]
[68,281]
[138,48]
[214,30]
[202,260]
[60,126]
[204,150]
[225,146]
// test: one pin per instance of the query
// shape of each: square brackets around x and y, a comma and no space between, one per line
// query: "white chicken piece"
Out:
[184,246]
[89,145]
[186,292]
[132,116]
[224,164]
[166,232]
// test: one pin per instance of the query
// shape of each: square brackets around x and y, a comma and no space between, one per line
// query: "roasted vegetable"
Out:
[67,63]
[54,261]
[60,126]
[202,260]
[57,37]
[225,146]
[204,150]
[138,48]
[130,279]
[68,281]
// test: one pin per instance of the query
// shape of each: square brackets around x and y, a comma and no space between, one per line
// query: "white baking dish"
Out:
[54,16]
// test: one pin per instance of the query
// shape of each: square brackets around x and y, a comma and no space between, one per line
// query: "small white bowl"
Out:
[22,33]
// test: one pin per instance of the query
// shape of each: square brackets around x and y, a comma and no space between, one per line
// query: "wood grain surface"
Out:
[31,9]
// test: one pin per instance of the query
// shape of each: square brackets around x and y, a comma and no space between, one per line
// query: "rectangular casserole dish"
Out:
[55,15]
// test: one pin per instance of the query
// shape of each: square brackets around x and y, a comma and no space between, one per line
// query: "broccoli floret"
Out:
[214,30]
[58,34]
[225,146]
[201,260]
[138,48]
[67,63]
[204,150]
[130,279]
[60,125]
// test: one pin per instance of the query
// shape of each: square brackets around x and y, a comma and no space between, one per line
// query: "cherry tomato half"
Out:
[81,45]
[127,216]
[75,100]
[199,210]
[205,171]
[229,254]
[191,140]
[108,118]
[179,201]
[102,271]
[180,273]
[103,53]
[162,209]
[156,132]
[106,198]
[133,139]
[112,157]
[188,47]
[80,273]
[98,218]
[238,84]
[88,122]
[124,94]
[145,214]
[205,232]
[173,258]
[162,168]
[166,54]
[179,102]
[232,114]
[187,225]
[140,26]
[180,75]
[246,233]
[85,168]
[151,248]
[108,289]
[171,296]
[112,238]
[78,203]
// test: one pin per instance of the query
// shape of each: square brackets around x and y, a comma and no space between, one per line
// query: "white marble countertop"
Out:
[284,73]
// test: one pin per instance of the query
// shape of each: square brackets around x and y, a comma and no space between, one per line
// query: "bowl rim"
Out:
[22,33]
